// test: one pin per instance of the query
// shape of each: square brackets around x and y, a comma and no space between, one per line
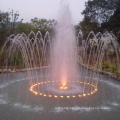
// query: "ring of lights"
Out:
[62,96]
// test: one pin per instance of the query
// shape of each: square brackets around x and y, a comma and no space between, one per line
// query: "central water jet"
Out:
[64,51]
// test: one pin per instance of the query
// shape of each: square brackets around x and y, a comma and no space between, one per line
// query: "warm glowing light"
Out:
[50,95]
[84,94]
[33,90]
[63,81]
[68,96]
[61,96]
[64,88]
[95,89]
[31,87]
[88,93]
[36,93]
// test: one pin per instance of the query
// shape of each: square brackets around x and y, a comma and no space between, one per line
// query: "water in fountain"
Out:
[62,67]
[62,77]
[35,50]
[64,53]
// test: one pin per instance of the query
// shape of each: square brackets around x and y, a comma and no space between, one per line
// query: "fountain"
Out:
[63,74]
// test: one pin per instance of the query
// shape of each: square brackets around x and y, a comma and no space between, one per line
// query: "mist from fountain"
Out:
[57,59]
[64,55]
[43,77]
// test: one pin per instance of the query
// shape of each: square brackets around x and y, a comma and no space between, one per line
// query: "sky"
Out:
[48,9]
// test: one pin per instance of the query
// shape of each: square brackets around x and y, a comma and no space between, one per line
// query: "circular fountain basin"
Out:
[18,102]
[74,89]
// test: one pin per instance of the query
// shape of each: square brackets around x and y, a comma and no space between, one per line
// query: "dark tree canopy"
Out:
[114,22]
[86,26]
[8,23]
[99,10]
[101,15]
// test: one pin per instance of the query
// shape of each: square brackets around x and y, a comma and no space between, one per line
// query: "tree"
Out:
[87,26]
[99,11]
[24,28]
[114,22]
[9,19]
[13,21]
[4,17]
[43,25]
[4,20]
[8,23]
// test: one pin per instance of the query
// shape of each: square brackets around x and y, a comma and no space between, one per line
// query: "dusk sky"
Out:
[28,9]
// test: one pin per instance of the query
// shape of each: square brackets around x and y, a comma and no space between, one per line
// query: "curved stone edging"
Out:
[100,71]
[21,70]
[88,67]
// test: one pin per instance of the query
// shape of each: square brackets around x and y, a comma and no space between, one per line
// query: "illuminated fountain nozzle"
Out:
[63,87]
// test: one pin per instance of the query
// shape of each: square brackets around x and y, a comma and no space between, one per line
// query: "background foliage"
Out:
[101,15]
